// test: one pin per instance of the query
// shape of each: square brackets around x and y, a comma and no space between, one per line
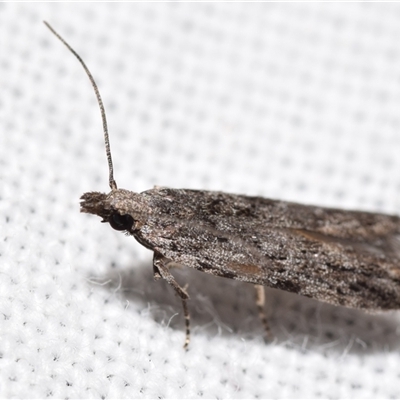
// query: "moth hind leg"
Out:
[161,267]
[260,303]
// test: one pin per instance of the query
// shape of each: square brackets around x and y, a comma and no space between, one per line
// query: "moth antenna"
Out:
[112,183]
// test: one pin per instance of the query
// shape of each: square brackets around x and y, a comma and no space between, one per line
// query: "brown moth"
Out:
[347,258]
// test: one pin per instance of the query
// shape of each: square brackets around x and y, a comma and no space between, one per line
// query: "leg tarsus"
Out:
[161,270]
[260,302]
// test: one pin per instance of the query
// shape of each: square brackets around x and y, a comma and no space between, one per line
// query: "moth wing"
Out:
[347,258]
[350,272]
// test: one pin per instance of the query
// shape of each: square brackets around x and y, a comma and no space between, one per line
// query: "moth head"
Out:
[122,209]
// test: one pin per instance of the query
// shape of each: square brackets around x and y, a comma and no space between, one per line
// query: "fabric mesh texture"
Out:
[296,101]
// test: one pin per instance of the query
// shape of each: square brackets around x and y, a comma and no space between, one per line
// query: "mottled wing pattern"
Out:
[342,257]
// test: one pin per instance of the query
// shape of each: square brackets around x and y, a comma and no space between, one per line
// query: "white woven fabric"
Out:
[293,101]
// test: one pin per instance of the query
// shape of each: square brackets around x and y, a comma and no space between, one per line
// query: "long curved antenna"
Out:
[113,184]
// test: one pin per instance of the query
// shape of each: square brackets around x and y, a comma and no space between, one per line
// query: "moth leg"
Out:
[161,267]
[260,303]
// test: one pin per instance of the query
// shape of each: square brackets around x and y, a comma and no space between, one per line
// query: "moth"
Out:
[347,258]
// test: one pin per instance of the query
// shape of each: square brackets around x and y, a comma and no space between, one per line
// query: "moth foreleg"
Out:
[260,303]
[161,267]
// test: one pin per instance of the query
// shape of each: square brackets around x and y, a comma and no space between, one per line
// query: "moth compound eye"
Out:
[121,222]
